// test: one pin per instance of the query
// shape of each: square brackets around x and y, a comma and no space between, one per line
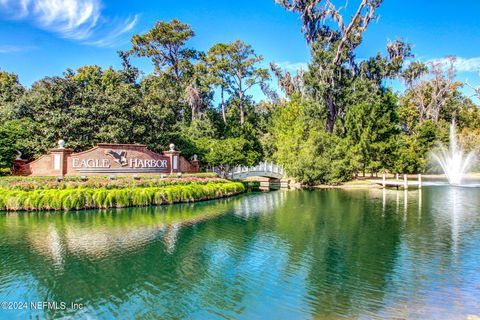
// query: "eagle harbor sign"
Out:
[79,163]
[114,161]
[106,158]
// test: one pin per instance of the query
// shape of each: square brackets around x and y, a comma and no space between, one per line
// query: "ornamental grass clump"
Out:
[89,198]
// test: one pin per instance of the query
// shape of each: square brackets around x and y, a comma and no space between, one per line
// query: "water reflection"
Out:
[438,256]
[289,255]
[261,204]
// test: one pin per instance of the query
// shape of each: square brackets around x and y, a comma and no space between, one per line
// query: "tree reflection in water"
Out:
[296,254]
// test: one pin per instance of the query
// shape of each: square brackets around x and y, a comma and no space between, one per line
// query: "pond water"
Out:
[322,254]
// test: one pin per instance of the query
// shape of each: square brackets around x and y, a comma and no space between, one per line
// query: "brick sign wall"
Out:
[107,159]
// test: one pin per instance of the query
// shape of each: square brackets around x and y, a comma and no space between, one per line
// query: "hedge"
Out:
[34,183]
[92,198]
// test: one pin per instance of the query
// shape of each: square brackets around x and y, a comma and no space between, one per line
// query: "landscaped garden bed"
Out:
[47,193]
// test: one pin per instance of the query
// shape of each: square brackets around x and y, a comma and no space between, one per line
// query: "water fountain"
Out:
[453,160]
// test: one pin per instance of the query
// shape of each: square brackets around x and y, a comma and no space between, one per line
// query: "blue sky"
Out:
[44,37]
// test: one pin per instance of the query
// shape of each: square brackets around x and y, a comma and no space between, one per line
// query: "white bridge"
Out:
[263,169]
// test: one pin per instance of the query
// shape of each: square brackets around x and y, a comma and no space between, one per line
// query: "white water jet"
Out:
[453,160]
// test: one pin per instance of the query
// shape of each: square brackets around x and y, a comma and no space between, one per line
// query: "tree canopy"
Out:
[336,119]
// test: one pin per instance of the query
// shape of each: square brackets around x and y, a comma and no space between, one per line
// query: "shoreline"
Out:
[364,182]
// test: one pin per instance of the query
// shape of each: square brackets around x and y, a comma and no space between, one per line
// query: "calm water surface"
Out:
[324,254]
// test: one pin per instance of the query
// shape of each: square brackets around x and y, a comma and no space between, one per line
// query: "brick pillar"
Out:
[195,165]
[174,160]
[60,161]
[18,168]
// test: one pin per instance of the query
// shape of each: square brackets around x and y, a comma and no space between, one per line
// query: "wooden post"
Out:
[405,182]
[396,176]
[383,182]
[419,180]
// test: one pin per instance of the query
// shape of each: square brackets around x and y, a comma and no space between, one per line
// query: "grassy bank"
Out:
[81,197]
[365,182]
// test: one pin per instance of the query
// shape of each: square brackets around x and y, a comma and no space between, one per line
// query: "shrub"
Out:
[84,198]
[98,182]
[5,171]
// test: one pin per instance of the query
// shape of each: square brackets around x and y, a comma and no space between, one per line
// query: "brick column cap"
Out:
[59,150]
[175,152]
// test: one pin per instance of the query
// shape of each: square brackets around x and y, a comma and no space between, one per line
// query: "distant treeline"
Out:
[334,120]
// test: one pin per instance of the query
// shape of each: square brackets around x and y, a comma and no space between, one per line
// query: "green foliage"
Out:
[372,128]
[11,136]
[413,150]
[339,118]
[234,67]
[5,171]
[322,158]
[231,152]
[84,108]
[91,105]
[420,131]
[310,156]
[165,45]
[98,182]
[7,147]
[89,198]
[468,115]
[333,69]
[159,111]
[10,91]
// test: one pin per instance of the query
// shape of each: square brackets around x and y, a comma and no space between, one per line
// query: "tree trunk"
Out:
[242,113]
[331,113]
[223,107]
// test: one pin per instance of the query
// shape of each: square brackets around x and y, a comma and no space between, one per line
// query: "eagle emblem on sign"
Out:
[118,157]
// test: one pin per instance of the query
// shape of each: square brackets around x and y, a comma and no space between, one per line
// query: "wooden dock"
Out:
[399,183]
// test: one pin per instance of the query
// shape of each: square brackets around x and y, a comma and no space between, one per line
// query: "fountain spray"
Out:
[453,160]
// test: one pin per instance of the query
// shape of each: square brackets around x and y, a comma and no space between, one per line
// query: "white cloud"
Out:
[292,67]
[113,35]
[463,64]
[11,48]
[80,20]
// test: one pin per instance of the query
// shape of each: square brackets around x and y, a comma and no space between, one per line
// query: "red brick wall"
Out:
[41,167]
[138,160]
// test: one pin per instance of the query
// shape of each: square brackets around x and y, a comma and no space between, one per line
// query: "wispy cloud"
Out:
[12,48]
[292,67]
[462,64]
[111,38]
[80,20]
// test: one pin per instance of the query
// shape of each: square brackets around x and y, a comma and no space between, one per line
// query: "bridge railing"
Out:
[263,169]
